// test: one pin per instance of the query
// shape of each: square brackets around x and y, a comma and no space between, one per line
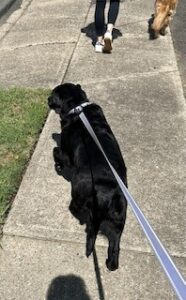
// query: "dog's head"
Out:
[66,96]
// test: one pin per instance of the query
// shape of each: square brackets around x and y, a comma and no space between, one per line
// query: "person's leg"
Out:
[100,20]
[112,16]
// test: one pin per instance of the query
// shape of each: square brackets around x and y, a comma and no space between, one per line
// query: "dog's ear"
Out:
[81,92]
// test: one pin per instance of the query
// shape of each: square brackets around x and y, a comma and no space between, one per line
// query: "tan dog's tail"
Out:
[159,19]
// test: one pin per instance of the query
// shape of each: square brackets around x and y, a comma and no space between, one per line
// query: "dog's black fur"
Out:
[97,201]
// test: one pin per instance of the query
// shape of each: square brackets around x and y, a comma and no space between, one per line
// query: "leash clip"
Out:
[78,109]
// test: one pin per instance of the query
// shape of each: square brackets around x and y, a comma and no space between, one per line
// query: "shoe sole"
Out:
[99,51]
[108,45]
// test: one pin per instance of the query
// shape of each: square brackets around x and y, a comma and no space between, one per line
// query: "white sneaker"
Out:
[99,47]
[108,42]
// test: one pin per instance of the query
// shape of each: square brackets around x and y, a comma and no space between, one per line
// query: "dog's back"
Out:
[84,151]
[91,170]
[96,198]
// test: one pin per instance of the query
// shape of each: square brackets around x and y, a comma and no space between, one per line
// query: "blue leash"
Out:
[176,279]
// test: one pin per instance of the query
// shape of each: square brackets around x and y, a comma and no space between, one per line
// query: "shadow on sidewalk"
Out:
[69,287]
[98,276]
[61,287]
[150,30]
[89,30]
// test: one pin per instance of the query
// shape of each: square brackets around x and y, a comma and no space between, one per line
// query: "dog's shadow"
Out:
[57,138]
[151,32]
[90,32]
[66,172]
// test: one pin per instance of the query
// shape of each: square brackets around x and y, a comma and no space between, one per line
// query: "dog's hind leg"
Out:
[91,238]
[112,261]
[114,229]
[92,231]
[166,24]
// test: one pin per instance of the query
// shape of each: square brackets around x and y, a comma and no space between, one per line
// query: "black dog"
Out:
[96,198]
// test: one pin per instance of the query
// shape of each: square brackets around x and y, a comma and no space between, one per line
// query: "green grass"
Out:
[22,115]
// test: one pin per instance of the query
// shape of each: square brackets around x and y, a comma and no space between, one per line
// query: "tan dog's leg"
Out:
[161,12]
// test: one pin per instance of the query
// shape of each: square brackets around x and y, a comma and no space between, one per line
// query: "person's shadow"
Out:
[90,32]
[69,287]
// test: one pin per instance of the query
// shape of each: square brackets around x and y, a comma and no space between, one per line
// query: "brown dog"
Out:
[164,9]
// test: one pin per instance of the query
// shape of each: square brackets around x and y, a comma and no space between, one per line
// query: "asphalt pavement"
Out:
[178,31]
[44,43]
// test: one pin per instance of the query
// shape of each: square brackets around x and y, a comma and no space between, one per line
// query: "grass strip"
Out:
[22,116]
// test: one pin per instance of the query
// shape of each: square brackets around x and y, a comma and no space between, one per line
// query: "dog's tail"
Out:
[160,18]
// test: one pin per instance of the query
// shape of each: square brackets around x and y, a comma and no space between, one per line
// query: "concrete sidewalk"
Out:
[139,88]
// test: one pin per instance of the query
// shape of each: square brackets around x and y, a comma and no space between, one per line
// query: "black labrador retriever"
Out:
[97,201]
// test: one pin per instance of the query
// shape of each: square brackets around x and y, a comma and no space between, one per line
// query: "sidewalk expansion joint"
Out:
[70,59]
[67,242]
[132,75]
[39,44]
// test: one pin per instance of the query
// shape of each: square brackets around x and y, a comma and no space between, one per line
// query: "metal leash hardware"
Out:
[78,109]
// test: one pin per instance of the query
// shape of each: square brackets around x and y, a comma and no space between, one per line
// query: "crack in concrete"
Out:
[71,57]
[130,76]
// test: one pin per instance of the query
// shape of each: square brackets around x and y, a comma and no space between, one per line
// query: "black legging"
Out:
[100,14]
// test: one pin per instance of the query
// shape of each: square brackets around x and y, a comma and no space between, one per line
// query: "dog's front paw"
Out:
[163,32]
[111,264]
[154,34]
[56,153]
[58,169]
